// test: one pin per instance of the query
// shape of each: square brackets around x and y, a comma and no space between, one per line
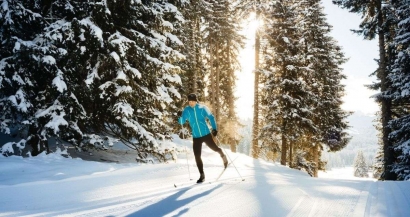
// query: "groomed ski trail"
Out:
[147,190]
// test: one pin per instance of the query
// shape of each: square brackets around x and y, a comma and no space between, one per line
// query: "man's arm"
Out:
[182,119]
[211,118]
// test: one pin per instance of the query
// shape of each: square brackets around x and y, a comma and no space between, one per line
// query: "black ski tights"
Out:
[198,148]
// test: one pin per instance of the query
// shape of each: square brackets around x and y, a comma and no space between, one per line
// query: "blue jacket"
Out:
[196,117]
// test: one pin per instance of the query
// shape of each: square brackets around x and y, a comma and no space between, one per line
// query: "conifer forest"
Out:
[92,73]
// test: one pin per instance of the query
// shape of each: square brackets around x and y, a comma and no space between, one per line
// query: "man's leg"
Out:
[197,152]
[209,141]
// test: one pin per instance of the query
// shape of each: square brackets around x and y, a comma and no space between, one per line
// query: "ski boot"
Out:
[201,178]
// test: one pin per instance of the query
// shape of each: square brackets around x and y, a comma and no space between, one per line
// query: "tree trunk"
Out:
[37,145]
[316,159]
[255,130]
[197,55]
[290,154]
[231,100]
[284,151]
[233,145]
[216,98]
[211,76]
[385,102]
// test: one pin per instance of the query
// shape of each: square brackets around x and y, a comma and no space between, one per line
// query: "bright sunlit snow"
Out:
[51,185]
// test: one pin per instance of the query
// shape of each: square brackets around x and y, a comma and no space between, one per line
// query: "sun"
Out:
[250,25]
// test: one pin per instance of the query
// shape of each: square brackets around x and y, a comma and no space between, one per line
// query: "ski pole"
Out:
[186,152]
[226,153]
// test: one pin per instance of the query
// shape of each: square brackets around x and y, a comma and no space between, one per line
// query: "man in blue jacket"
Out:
[196,114]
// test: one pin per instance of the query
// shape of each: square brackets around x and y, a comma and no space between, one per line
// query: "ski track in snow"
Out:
[268,190]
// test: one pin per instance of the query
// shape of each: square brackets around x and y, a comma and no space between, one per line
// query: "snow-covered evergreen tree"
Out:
[323,58]
[302,83]
[31,83]
[360,166]
[377,22]
[285,94]
[223,42]
[400,91]
[193,66]
[103,71]
[301,163]
[378,164]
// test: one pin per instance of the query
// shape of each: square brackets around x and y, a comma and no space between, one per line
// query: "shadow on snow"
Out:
[170,204]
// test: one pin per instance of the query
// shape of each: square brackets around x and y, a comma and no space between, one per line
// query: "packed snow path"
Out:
[69,187]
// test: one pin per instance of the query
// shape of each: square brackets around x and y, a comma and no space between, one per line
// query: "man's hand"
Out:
[214,132]
[179,113]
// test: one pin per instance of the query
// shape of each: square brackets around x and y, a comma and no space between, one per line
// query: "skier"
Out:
[196,114]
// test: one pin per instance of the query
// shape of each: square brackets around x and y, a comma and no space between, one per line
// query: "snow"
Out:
[163,94]
[19,96]
[18,79]
[94,29]
[17,46]
[134,71]
[49,60]
[57,120]
[121,42]
[52,185]
[93,75]
[167,25]
[59,83]
[115,56]
[174,39]
[124,109]
[121,75]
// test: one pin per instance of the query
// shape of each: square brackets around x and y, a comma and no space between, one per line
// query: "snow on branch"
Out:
[93,75]
[94,29]
[10,147]
[59,83]
[123,109]
[19,101]
[55,114]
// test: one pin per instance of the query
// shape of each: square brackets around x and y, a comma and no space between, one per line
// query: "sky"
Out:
[52,185]
[361,64]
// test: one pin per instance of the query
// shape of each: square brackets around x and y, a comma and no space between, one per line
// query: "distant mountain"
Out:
[363,131]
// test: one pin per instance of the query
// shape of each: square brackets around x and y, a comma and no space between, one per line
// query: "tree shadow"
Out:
[170,204]
[269,204]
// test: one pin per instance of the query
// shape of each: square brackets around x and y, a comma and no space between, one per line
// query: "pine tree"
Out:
[223,43]
[375,23]
[301,163]
[400,91]
[360,166]
[285,91]
[193,66]
[104,71]
[30,82]
[323,58]
[378,165]
[302,85]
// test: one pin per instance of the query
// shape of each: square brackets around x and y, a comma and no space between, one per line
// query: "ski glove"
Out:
[179,113]
[214,132]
